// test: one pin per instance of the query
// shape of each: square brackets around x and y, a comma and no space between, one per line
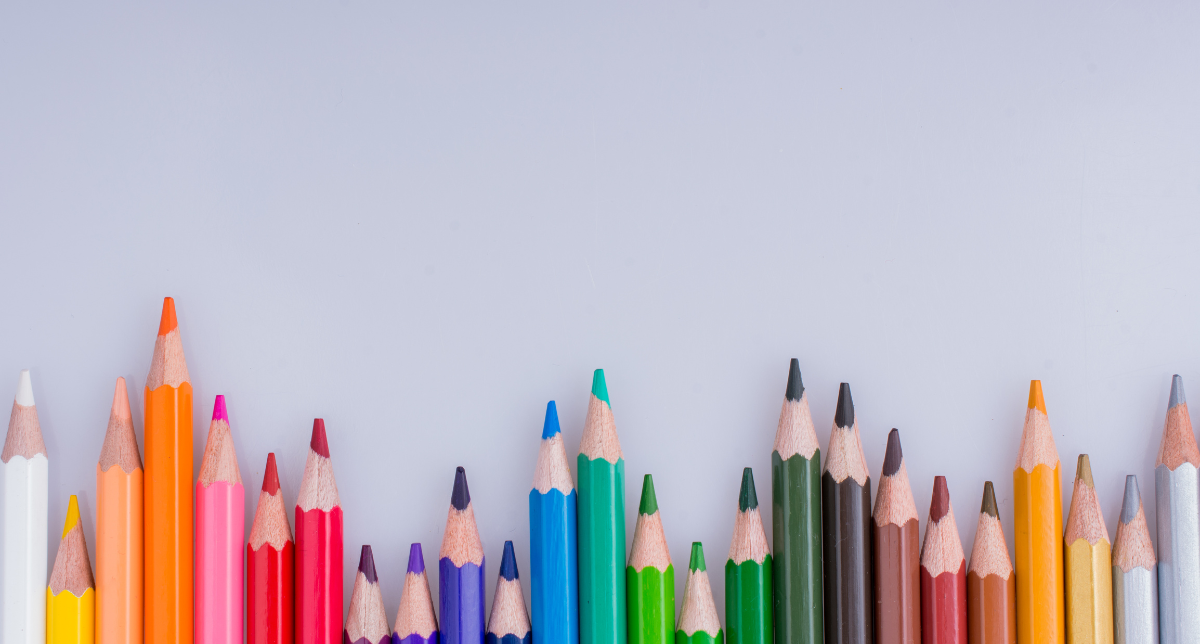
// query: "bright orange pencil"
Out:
[168,485]
[119,552]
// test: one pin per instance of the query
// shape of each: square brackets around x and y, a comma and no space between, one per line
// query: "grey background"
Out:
[423,221]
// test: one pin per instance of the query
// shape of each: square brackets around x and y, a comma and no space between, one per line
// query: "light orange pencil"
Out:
[168,488]
[119,549]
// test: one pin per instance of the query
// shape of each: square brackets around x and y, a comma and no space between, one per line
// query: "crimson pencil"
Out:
[318,547]
[270,572]
[943,574]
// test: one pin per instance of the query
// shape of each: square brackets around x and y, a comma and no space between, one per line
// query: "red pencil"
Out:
[270,561]
[943,574]
[318,548]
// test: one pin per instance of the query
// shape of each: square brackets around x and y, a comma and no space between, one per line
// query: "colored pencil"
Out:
[220,536]
[846,528]
[601,470]
[698,621]
[748,587]
[415,621]
[796,512]
[460,570]
[1088,561]
[897,562]
[1135,582]
[1037,507]
[366,622]
[650,577]
[270,567]
[943,574]
[1177,492]
[991,584]
[120,496]
[168,488]
[319,536]
[71,595]
[26,523]
[508,623]
[553,554]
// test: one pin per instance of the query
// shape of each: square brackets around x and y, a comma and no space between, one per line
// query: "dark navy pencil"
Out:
[509,623]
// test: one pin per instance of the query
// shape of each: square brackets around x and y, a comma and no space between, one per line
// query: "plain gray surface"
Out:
[422,222]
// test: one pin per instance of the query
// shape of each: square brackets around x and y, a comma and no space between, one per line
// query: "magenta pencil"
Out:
[220,537]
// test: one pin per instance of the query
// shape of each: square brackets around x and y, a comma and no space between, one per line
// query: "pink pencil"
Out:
[220,537]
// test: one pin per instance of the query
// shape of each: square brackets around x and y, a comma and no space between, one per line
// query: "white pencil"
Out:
[26,523]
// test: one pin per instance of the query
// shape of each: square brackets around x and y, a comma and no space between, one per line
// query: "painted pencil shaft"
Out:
[220,537]
[1177,494]
[23,533]
[270,567]
[1135,582]
[71,595]
[796,512]
[601,471]
[553,554]
[120,495]
[168,489]
[846,532]
[748,585]
[319,547]
[461,570]
[698,621]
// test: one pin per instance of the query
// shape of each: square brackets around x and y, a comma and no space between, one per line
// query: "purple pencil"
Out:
[415,622]
[367,621]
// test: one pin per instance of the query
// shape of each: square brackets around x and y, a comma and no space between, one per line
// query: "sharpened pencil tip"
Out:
[508,563]
[167,323]
[461,497]
[550,427]
[366,565]
[600,387]
[795,386]
[24,395]
[319,442]
[697,561]
[1036,401]
[1177,397]
[894,456]
[748,498]
[1083,471]
[416,559]
[1132,501]
[271,476]
[845,407]
[989,501]
[649,500]
[940,505]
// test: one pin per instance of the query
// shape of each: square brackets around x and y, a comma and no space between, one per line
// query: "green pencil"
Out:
[748,573]
[796,510]
[601,492]
[650,576]
[698,622]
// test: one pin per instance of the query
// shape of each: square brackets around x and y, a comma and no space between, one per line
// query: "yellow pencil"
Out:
[1089,564]
[71,595]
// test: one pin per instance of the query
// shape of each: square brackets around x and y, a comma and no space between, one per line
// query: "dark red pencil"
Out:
[943,574]
[270,561]
[318,548]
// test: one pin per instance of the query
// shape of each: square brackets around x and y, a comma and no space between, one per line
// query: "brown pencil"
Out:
[897,552]
[991,585]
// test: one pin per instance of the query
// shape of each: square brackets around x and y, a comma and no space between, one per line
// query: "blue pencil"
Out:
[460,570]
[509,623]
[553,545]
[415,621]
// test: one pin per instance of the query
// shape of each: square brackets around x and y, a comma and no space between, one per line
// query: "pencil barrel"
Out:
[553,562]
[70,619]
[651,605]
[417,639]
[1135,606]
[797,573]
[25,530]
[602,596]
[220,526]
[508,638]
[1037,531]
[461,595]
[119,555]
[319,576]
[991,609]
[748,602]
[699,637]
[270,599]
[1089,592]
[846,522]
[1178,516]
[168,515]
[944,607]
[897,570]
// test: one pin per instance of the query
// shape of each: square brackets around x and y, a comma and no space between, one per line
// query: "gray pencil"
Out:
[1135,582]
[1177,489]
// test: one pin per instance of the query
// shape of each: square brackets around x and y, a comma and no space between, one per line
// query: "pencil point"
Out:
[1083,471]
[940,504]
[1036,401]
[649,500]
[167,323]
[1177,397]
[1132,501]
[845,407]
[599,387]
[319,442]
[120,406]
[894,456]
[416,559]
[550,427]
[72,515]
[989,501]
[461,497]
[271,476]
[219,412]
[697,561]
[24,396]
[748,498]
[795,386]
[366,565]
[508,563]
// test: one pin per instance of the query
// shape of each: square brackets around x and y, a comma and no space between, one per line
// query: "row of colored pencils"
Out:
[844,570]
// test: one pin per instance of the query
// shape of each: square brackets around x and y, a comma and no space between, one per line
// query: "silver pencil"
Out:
[1134,578]
[1177,489]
